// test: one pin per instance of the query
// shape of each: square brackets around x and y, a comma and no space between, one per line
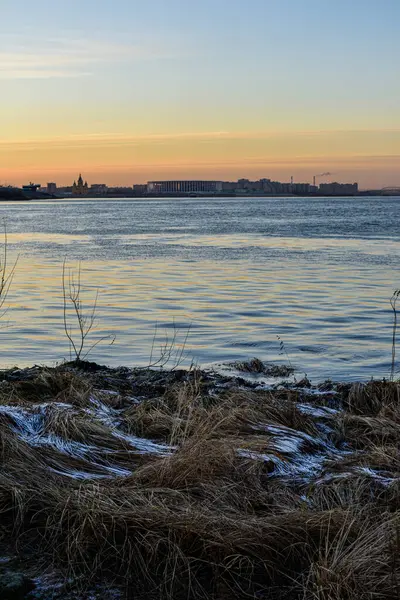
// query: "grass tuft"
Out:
[200,491]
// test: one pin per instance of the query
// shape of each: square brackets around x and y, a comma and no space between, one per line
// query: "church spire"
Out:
[79,188]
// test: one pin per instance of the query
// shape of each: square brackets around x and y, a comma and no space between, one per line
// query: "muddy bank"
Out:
[133,483]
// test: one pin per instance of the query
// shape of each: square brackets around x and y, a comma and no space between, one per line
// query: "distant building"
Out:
[120,192]
[98,189]
[338,189]
[244,184]
[266,187]
[64,191]
[184,187]
[301,188]
[229,186]
[263,187]
[80,188]
[51,188]
[31,187]
[140,189]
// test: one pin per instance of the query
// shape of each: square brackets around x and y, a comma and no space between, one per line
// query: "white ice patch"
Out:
[328,477]
[301,468]
[384,479]
[287,433]
[316,392]
[67,447]
[290,445]
[295,454]
[25,422]
[106,474]
[30,426]
[82,475]
[263,380]
[103,413]
[317,411]
[142,444]
[110,417]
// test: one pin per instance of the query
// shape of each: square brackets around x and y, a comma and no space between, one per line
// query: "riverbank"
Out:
[20,194]
[135,483]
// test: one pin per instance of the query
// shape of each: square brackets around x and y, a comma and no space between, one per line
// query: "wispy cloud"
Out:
[22,58]
[112,139]
[127,139]
[313,162]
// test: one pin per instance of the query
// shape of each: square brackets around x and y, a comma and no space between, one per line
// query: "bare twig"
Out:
[84,323]
[6,274]
[282,350]
[170,352]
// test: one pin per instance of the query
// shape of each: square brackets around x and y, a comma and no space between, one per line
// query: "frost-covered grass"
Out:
[170,485]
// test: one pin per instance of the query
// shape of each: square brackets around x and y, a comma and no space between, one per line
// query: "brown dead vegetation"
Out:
[214,515]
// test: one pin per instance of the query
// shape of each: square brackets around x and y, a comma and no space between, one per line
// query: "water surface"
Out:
[240,271]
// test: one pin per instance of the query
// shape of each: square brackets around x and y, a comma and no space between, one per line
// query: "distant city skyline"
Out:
[128,91]
[316,180]
[243,186]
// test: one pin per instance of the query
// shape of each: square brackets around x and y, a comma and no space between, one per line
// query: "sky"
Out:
[127,91]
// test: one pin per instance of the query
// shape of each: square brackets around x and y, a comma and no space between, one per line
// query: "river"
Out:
[239,272]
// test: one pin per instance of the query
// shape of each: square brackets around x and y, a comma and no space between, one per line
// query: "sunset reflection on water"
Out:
[323,287]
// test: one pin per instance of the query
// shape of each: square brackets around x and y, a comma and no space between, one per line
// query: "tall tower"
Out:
[80,188]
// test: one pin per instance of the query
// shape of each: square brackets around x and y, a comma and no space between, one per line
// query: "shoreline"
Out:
[42,196]
[139,483]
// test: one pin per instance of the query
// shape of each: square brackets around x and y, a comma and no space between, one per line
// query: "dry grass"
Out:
[45,385]
[216,516]
[255,365]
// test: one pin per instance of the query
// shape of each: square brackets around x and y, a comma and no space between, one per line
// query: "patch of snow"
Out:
[26,422]
[263,380]
[301,468]
[143,444]
[67,447]
[317,411]
[75,474]
[30,426]
[295,454]
[316,392]
[385,480]
[102,412]
[305,499]
[288,432]
[289,445]
[110,417]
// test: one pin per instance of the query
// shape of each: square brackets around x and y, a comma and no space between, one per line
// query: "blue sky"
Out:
[261,67]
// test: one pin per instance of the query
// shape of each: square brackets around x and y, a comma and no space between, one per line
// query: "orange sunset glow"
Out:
[181,95]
